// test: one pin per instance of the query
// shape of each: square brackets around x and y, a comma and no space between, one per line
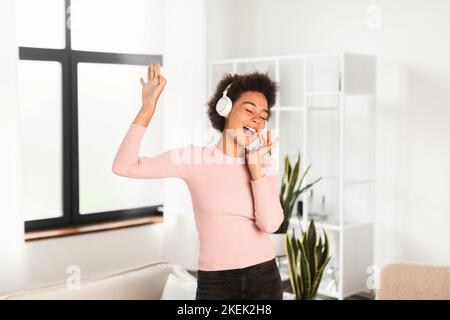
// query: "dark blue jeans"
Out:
[259,281]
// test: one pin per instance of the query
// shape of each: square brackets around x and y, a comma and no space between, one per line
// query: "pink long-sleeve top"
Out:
[233,213]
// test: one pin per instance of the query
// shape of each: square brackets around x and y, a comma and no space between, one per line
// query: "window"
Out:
[73,99]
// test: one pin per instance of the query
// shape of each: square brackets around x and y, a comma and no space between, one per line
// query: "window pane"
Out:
[40,23]
[109,98]
[41,138]
[118,26]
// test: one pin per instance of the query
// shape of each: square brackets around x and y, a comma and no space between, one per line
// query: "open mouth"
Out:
[249,131]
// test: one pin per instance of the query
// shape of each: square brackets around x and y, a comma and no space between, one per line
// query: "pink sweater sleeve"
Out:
[129,163]
[268,211]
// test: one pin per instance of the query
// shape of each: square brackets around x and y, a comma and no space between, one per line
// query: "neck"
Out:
[229,147]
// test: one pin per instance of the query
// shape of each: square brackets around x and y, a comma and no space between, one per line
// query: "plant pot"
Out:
[291,296]
[288,296]
[278,243]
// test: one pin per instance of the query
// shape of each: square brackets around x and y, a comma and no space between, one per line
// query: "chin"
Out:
[243,141]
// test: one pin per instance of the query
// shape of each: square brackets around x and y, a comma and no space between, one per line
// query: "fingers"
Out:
[153,73]
[163,80]
[142,82]
[149,71]
[264,150]
[157,72]
[263,141]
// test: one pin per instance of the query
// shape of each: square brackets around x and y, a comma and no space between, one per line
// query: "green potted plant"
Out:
[307,259]
[291,188]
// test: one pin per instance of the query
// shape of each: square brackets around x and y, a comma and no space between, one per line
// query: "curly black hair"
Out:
[254,81]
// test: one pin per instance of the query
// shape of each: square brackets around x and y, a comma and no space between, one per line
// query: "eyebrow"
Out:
[249,102]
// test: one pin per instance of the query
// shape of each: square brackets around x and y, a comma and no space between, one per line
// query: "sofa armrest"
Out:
[413,281]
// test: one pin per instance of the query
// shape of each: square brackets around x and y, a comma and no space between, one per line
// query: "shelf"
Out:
[359,181]
[289,108]
[323,178]
[348,182]
[323,93]
[325,109]
[300,108]
[328,293]
[333,225]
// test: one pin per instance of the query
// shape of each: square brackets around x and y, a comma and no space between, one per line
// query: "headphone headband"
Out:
[226,89]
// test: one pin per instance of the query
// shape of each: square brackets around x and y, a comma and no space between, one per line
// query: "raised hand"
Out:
[151,90]
[255,158]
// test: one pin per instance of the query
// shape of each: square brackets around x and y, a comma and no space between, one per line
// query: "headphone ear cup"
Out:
[260,137]
[265,127]
[223,106]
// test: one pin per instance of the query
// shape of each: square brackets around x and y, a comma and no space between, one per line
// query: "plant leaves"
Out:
[309,185]
[311,240]
[294,177]
[326,250]
[305,272]
[318,278]
[292,252]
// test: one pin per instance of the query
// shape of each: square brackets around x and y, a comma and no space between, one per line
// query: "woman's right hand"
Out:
[151,90]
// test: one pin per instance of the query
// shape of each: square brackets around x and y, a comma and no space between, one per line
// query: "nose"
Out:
[259,122]
[255,119]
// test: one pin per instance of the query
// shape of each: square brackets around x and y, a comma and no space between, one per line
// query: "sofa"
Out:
[154,281]
[414,281]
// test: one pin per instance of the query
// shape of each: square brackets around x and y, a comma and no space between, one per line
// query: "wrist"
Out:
[149,101]
[256,176]
[148,106]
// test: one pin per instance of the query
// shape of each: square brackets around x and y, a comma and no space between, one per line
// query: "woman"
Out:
[234,190]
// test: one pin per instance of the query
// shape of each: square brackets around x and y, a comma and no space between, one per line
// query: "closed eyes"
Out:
[252,112]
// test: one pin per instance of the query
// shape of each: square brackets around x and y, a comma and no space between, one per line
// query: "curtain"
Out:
[11,221]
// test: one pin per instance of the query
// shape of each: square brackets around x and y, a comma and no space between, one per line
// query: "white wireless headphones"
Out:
[257,143]
[265,128]
[223,106]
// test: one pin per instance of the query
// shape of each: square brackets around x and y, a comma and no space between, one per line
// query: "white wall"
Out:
[47,260]
[11,222]
[413,153]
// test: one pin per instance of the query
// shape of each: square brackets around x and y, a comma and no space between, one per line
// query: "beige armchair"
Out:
[142,283]
[414,281]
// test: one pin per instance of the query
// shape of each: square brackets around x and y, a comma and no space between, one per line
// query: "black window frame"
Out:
[69,60]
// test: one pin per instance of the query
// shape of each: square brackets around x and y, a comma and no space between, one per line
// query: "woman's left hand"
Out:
[255,158]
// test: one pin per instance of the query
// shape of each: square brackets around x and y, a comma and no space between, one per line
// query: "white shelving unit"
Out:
[325,109]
